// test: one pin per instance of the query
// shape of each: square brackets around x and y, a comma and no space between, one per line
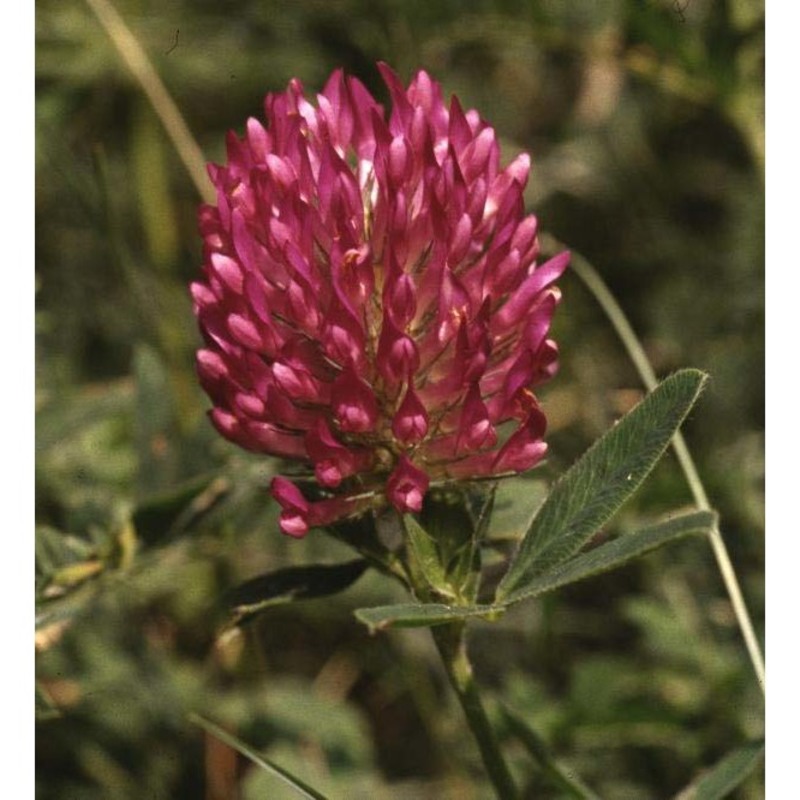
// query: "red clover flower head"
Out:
[371,302]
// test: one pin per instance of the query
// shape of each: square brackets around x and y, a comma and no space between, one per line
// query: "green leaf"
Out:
[605,557]
[155,421]
[485,505]
[375,538]
[719,781]
[426,556]
[290,584]
[63,418]
[416,615]
[164,514]
[615,553]
[467,567]
[302,789]
[63,563]
[594,488]
[56,549]
[451,517]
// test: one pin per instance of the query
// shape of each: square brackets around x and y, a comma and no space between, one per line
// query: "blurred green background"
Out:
[645,122]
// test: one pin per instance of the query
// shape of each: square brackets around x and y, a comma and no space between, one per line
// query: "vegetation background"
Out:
[645,122]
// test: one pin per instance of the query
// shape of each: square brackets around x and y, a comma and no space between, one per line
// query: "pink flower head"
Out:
[371,301]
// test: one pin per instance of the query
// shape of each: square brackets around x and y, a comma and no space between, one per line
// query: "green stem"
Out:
[451,643]
[595,284]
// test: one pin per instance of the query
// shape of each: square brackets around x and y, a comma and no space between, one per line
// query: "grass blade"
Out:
[568,782]
[137,61]
[719,781]
[302,789]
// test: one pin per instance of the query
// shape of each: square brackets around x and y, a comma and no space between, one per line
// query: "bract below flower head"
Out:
[371,302]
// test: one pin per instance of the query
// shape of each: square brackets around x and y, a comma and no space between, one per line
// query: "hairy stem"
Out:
[595,284]
[451,643]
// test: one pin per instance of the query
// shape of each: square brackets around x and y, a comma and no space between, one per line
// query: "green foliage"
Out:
[425,556]
[162,515]
[600,559]
[416,615]
[646,132]
[614,554]
[719,781]
[287,585]
[154,422]
[301,789]
[447,543]
[597,485]
[557,775]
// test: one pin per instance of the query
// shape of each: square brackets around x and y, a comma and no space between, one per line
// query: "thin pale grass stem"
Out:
[595,284]
[137,61]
